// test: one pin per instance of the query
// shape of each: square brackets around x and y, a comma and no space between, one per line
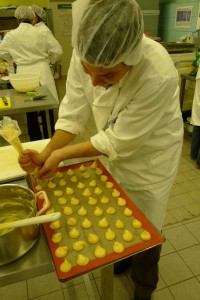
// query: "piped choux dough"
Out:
[61,251]
[115,193]
[50,211]
[127,236]
[145,235]
[137,224]
[51,185]
[69,191]
[67,210]
[86,175]
[93,238]
[121,201]
[82,260]
[109,185]
[86,223]
[93,183]
[81,185]
[65,266]
[109,234]
[55,224]
[86,193]
[127,212]
[98,191]
[70,172]
[74,201]
[38,187]
[118,247]
[99,252]
[79,245]
[93,165]
[62,182]
[104,178]
[57,237]
[98,171]
[59,175]
[103,223]
[98,212]
[82,168]
[119,224]
[92,201]
[62,200]
[110,210]
[58,193]
[74,233]
[104,200]
[71,221]
[74,178]
[82,211]
[41,196]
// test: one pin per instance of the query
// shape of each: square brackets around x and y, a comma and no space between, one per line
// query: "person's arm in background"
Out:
[4,49]
[54,49]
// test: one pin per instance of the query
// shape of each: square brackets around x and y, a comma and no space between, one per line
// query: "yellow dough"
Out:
[93,165]
[38,187]
[58,193]
[145,235]
[92,201]
[118,247]
[51,185]
[67,210]
[127,236]
[99,252]
[74,201]
[50,211]
[104,200]
[74,178]
[79,245]
[55,224]
[62,182]
[98,171]
[137,224]
[59,175]
[82,260]
[127,212]
[103,223]
[121,201]
[86,223]
[119,224]
[80,185]
[109,185]
[104,178]
[82,211]
[69,191]
[98,191]
[74,233]
[86,175]
[98,212]
[71,221]
[65,266]
[61,251]
[82,168]
[56,237]
[62,200]
[41,196]
[86,193]
[110,210]
[70,172]
[115,193]
[93,183]
[109,234]
[93,238]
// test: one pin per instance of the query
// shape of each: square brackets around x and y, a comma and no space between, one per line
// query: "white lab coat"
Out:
[196,102]
[32,51]
[144,133]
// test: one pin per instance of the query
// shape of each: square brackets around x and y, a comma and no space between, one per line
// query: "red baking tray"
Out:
[131,248]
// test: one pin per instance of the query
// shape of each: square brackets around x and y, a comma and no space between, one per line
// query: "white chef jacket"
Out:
[196,102]
[32,51]
[144,132]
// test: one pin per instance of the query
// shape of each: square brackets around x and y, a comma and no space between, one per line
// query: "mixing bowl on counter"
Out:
[24,82]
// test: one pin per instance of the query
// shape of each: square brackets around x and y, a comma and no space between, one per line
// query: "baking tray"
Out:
[96,170]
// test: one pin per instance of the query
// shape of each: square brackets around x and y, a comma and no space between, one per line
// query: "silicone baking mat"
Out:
[87,187]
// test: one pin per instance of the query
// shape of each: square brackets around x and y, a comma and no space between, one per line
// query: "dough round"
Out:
[74,201]
[51,185]
[93,165]
[69,191]
[86,175]
[98,212]
[38,187]
[65,266]
[119,224]
[74,233]
[86,193]
[104,178]
[82,211]
[62,200]
[92,201]
[55,224]
[115,193]
[98,171]
[81,185]
[118,247]
[93,238]
[62,182]
[82,260]
[86,223]
[93,183]
[145,235]
[82,168]
[104,200]
[79,245]
[56,237]
[67,210]
[109,185]
[109,235]
[74,178]
[121,201]
[99,252]
[58,193]
[41,196]
[61,252]
[127,236]
[127,212]
[50,211]
[98,191]
[59,175]
[110,210]
[103,223]
[137,224]
[70,172]
[71,221]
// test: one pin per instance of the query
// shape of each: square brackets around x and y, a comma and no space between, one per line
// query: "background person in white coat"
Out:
[130,84]
[40,18]
[195,145]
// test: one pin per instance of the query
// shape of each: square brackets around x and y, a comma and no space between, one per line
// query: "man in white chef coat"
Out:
[130,84]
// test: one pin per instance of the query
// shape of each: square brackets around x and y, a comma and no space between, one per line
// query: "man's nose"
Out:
[96,80]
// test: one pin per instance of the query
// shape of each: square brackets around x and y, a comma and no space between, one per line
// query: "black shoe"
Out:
[139,298]
[122,265]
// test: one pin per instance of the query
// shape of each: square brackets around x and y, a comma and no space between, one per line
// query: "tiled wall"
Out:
[167,29]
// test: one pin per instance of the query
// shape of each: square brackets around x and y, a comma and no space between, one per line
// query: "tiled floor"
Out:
[180,259]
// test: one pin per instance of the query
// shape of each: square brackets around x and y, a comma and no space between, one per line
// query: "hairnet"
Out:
[106,32]
[24,12]
[39,11]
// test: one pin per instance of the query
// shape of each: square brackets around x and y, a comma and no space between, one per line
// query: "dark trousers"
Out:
[195,145]
[145,271]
